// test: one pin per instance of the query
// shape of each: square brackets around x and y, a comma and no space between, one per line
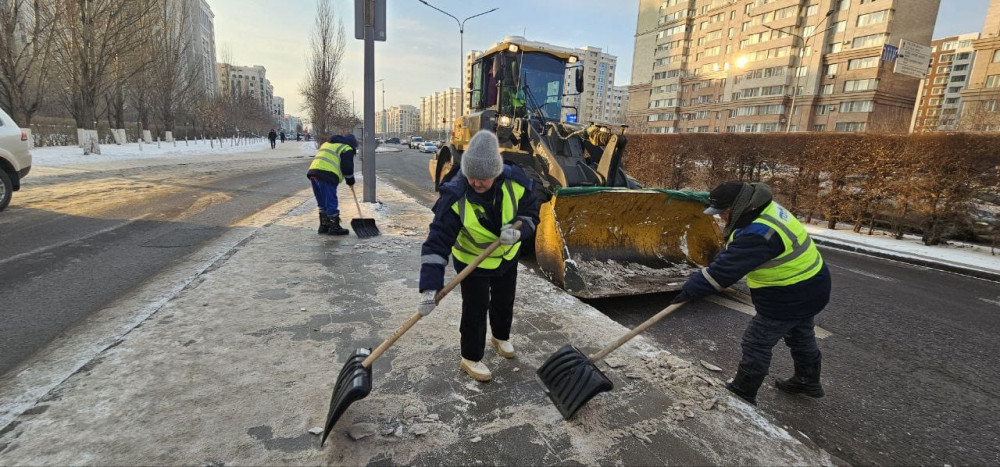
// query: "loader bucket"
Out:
[605,242]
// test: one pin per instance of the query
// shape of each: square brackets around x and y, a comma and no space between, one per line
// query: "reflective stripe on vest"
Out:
[474,238]
[800,260]
[327,158]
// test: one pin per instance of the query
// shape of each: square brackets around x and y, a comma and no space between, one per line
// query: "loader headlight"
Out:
[572,59]
[512,48]
[503,120]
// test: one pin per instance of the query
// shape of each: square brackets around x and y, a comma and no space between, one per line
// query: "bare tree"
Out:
[26,29]
[93,34]
[177,79]
[321,89]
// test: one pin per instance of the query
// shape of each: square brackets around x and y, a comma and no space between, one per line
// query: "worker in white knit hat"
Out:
[473,211]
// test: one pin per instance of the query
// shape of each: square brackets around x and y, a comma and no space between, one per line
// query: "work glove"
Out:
[349,181]
[426,305]
[509,235]
[681,298]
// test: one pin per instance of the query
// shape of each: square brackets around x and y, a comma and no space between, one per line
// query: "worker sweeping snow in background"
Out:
[473,211]
[789,285]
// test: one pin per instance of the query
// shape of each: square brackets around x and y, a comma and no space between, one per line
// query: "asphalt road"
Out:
[909,368]
[72,244]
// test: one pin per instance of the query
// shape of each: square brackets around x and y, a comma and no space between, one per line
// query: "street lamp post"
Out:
[461,50]
[805,44]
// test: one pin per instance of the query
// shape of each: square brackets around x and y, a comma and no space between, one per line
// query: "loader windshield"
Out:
[541,81]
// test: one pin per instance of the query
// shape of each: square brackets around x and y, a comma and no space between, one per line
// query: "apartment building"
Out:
[981,98]
[941,90]
[235,80]
[201,34]
[438,112]
[774,65]
[597,101]
[399,121]
[278,107]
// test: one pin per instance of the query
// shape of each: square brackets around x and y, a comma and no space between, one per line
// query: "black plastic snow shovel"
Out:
[364,228]
[571,379]
[355,380]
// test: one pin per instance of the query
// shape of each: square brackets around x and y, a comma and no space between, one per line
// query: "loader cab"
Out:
[517,83]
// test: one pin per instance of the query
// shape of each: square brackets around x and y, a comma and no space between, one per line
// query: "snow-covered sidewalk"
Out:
[73,155]
[959,257]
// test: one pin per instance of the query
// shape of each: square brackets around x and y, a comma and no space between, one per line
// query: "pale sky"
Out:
[421,53]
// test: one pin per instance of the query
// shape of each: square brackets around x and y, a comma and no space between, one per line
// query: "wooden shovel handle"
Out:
[356,201]
[437,299]
[635,332]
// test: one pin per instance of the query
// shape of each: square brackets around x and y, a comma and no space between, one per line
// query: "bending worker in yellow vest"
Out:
[474,210]
[789,284]
[333,162]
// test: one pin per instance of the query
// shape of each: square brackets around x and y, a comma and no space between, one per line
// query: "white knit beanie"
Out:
[481,160]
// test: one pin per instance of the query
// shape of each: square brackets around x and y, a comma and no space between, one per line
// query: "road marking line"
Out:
[67,242]
[749,310]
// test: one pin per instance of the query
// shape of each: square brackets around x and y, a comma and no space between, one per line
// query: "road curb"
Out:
[965,271]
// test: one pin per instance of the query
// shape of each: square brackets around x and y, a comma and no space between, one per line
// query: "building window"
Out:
[960,67]
[871,40]
[827,89]
[812,10]
[954,89]
[851,126]
[860,85]
[873,18]
[937,91]
[996,56]
[958,79]
[860,63]
[941,80]
[993,81]
[819,127]
[951,100]
[934,102]
[857,106]
[944,69]
[963,56]
[947,58]
[821,110]
[840,26]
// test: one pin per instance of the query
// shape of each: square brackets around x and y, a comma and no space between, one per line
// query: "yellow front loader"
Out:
[601,234]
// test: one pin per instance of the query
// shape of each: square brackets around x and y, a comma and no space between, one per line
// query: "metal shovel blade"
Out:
[571,379]
[354,383]
[364,228]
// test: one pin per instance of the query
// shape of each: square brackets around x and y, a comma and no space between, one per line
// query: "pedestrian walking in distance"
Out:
[789,285]
[272,136]
[282,136]
[334,161]
[474,210]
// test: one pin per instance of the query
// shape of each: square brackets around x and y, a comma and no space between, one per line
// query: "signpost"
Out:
[912,59]
[369,24]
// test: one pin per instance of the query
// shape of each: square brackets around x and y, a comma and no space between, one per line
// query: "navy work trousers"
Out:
[482,296]
[763,333]
[326,196]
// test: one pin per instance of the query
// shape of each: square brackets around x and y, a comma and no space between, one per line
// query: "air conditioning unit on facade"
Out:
[781,120]
[831,108]
[831,76]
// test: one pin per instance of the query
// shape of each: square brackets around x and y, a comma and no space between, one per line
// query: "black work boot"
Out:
[805,381]
[324,224]
[335,228]
[745,385]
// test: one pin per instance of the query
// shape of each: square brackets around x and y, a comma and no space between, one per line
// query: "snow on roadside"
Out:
[956,253]
[73,155]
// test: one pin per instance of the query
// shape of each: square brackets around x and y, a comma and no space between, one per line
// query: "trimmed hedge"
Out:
[941,186]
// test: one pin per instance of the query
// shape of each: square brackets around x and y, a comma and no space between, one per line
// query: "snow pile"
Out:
[73,155]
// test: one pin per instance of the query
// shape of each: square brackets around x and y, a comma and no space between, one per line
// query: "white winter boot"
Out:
[477,370]
[504,348]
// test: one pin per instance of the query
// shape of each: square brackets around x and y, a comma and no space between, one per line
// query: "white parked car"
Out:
[416,142]
[428,146]
[15,159]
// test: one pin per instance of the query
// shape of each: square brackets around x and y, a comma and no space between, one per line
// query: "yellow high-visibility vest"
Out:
[327,158]
[473,239]
[800,260]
